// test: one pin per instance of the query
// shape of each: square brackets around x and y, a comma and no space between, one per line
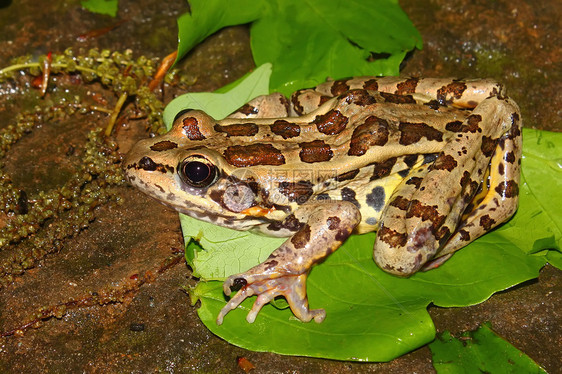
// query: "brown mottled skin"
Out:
[432,164]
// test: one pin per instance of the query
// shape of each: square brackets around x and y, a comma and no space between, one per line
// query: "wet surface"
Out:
[114,293]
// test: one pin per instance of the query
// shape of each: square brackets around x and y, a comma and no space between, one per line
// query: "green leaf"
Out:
[371,315]
[480,351]
[108,7]
[308,41]
[208,16]
[340,37]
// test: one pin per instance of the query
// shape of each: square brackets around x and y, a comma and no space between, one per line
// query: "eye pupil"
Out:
[198,174]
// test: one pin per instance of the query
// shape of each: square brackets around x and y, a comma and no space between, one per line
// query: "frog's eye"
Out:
[198,172]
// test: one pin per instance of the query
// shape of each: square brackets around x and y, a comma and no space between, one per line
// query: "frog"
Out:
[430,164]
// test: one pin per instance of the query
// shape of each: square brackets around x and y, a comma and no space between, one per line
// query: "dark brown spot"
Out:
[444,162]
[371,85]
[297,107]
[382,169]
[271,264]
[392,238]
[341,235]
[416,181]
[323,99]
[285,129]
[333,223]
[443,235]
[472,123]
[397,99]
[374,131]
[487,222]
[407,87]
[347,176]
[454,90]
[501,169]
[454,126]
[509,157]
[238,129]
[191,129]
[253,154]
[339,87]
[302,237]
[488,146]
[358,97]
[410,160]
[315,151]
[247,110]
[290,223]
[508,189]
[433,104]
[298,192]
[400,202]
[465,235]
[164,145]
[331,123]
[411,133]
[426,212]
[514,117]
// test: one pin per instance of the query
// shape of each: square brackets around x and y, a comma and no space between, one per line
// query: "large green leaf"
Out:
[480,351]
[371,315]
[307,40]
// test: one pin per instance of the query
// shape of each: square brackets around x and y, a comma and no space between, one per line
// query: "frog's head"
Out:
[184,170]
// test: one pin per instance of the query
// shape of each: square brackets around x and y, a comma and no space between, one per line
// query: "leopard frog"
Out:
[431,164]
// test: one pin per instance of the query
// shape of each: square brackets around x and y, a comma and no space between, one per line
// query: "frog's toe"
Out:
[261,300]
[234,302]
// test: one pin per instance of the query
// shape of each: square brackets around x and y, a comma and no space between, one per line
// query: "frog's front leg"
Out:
[322,228]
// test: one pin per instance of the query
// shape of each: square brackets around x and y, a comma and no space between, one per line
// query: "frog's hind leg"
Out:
[422,217]
[498,200]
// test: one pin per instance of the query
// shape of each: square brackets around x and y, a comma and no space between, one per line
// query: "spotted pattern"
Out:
[296,192]
[253,154]
[302,237]
[411,133]
[445,162]
[407,87]
[190,127]
[315,151]
[285,129]
[331,123]
[373,132]
[383,169]
[398,99]
[164,145]
[238,129]
[358,97]
[453,90]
